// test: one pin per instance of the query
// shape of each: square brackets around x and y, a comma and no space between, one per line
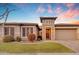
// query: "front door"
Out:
[48,33]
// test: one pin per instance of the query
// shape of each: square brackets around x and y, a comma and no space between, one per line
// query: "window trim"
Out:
[9,31]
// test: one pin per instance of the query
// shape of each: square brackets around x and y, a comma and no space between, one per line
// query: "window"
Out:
[47,22]
[31,30]
[6,31]
[23,32]
[9,31]
[27,31]
[12,31]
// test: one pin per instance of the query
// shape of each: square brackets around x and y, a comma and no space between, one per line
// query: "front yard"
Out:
[46,47]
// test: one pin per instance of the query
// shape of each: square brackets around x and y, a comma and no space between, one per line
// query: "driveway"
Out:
[74,44]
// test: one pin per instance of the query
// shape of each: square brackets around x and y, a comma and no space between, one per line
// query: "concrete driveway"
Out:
[74,44]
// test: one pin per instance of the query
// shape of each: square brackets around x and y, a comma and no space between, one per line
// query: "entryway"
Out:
[48,33]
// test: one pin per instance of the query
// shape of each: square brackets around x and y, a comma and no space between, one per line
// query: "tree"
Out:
[5,13]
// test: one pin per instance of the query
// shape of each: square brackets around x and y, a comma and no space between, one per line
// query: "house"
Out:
[18,29]
[51,31]
[48,30]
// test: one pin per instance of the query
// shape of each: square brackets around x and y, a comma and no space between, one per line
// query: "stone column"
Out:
[43,33]
[52,33]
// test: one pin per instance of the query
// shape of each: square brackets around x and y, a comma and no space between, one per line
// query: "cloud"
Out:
[40,9]
[70,5]
[49,9]
[70,13]
[67,14]
[58,10]
[74,21]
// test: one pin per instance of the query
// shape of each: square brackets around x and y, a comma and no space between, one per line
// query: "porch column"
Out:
[43,33]
[52,33]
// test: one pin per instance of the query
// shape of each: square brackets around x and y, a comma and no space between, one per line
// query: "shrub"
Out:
[8,38]
[39,38]
[18,39]
[31,37]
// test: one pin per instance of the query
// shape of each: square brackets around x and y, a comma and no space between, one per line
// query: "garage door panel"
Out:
[65,34]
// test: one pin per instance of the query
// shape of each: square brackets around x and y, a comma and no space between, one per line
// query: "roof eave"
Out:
[52,18]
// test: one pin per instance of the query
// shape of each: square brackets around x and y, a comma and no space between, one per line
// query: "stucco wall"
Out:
[77,33]
[1,33]
[18,31]
[34,31]
[48,23]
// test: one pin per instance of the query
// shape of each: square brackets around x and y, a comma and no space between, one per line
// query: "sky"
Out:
[31,12]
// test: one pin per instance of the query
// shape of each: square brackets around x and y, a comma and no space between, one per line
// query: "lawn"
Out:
[46,47]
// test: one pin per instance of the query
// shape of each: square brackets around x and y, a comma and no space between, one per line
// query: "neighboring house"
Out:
[48,30]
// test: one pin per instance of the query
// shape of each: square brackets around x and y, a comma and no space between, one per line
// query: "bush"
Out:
[18,39]
[39,38]
[8,38]
[31,37]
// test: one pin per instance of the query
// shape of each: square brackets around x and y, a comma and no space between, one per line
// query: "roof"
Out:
[22,24]
[11,23]
[46,18]
[62,25]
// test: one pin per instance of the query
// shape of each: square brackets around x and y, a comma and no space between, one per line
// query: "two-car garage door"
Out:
[65,34]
